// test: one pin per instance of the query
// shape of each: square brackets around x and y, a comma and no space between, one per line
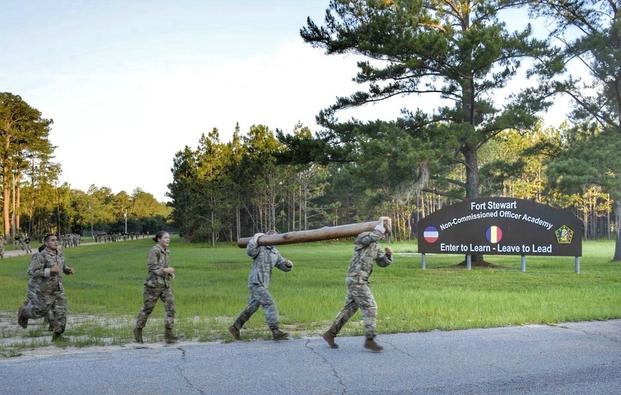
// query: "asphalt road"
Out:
[573,358]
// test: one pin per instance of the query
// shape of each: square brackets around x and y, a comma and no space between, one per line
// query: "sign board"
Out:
[501,226]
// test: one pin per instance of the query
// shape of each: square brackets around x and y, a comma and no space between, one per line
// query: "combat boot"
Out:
[169,336]
[370,344]
[138,335]
[21,318]
[234,332]
[58,337]
[277,334]
[329,338]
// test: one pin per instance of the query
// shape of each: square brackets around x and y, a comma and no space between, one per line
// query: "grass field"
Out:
[210,290]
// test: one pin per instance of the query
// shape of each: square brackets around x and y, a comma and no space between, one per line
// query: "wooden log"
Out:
[307,236]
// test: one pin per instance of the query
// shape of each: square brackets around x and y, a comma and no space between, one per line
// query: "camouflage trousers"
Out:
[50,304]
[359,296]
[150,296]
[259,296]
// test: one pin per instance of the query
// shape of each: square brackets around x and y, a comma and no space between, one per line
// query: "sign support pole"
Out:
[423,263]
[469,262]
[577,265]
[523,264]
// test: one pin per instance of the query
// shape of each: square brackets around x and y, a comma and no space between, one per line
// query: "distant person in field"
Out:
[359,296]
[264,259]
[157,286]
[46,295]
[27,243]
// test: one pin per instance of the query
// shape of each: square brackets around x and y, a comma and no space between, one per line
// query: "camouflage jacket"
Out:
[366,252]
[264,259]
[40,270]
[157,260]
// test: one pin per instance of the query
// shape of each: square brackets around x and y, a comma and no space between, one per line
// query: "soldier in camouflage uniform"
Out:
[27,242]
[157,286]
[264,259]
[46,295]
[359,296]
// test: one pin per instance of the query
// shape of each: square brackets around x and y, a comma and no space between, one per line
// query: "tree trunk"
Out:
[213,229]
[305,206]
[472,173]
[274,225]
[585,218]
[293,211]
[18,202]
[472,186]
[617,256]
[6,202]
[307,236]
[608,215]
[13,207]
[237,222]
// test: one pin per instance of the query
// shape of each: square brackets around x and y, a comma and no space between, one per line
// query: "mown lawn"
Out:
[210,290]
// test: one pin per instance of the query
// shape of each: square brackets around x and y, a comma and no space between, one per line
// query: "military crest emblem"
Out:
[564,235]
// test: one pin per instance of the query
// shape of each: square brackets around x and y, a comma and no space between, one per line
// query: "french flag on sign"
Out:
[431,234]
[493,234]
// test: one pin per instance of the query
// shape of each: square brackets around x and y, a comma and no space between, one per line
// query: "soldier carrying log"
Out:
[359,296]
[264,259]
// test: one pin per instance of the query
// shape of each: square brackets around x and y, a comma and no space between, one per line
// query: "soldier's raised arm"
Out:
[252,249]
[376,234]
[372,237]
[384,257]
[36,268]
[283,264]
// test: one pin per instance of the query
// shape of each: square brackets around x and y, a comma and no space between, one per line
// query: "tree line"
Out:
[222,190]
[465,55]
[33,202]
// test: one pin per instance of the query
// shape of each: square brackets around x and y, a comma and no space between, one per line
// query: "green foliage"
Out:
[25,150]
[66,210]
[459,52]
[221,190]
[590,32]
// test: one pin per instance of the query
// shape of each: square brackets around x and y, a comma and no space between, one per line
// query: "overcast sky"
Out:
[129,83]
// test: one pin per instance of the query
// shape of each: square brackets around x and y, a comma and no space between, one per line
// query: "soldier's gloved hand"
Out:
[169,270]
[70,270]
[55,269]
[380,226]
[387,222]
[256,236]
[388,251]
[288,263]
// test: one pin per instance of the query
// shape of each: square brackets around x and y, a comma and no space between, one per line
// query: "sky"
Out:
[130,83]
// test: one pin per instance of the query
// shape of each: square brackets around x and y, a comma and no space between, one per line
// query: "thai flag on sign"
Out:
[431,234]
[493,234]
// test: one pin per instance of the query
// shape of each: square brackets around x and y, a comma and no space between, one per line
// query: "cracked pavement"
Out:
[568,358]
